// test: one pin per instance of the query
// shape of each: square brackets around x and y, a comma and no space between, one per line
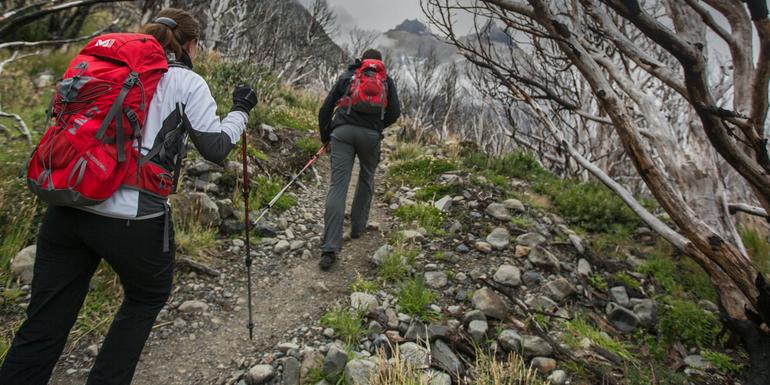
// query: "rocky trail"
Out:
[201,336]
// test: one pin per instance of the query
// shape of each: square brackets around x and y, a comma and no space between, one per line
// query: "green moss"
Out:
[579,328]
[627,280]
[663,269]
[363,285]
[296,118]
[309,145]
[264,189]
[519,164]
[597,280]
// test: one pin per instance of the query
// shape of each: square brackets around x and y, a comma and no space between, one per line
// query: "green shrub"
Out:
[264,189]
[519,164]
[414,298]
[407,151]
[348,324]
[419,172]
[683,321]
[758,248]
[426,215]
[363,285]
[296,118]
[696,281]
[597,280]
[590,205]
[627,280]
[309,145]
[663,269]
[191,237]
[393,268]
[722,362]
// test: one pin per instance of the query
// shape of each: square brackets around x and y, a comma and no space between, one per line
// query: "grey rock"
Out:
[260,374]
[436,279]
[510,340]
[646,310]
[379,256]
[623,319]
[697,362]
[559,289]
[193,306]
[490,303]
[535,346]
[498,211]
[478,330]
[508,275]
[196,206]
[620,296]
[439,331]
[375,328]
[474,315]
[291,370]
[412,235]
[577,243]
[558,377]
[541,257]
[445,358]
[499,238]
[23,265]
[584,268]
[514,204]
[444,204]
[415,355]
[435,377]
[363,301]
[334,362]
[544,365]
[530,239]
[417,331]
[531,278]
[546,304]
[282,247]
[359,372]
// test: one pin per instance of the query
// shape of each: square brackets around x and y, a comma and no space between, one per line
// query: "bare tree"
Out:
[649,79]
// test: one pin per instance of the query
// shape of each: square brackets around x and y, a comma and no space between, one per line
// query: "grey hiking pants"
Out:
[348,142]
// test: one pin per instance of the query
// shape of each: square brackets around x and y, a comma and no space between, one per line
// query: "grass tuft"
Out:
[414,298]
[347,323]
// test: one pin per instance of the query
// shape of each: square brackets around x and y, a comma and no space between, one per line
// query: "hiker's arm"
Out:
[212,138]
[326,113]
[393,112]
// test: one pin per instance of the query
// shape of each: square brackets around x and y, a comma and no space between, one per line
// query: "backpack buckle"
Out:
[131,80]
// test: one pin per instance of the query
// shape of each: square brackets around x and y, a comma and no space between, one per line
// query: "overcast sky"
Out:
[380,15]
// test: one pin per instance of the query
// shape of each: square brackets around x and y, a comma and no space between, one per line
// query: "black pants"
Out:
[71,243]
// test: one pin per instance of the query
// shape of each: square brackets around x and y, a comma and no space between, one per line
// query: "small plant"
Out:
[511,371]
[264,189]
[627,280]
[414,298]
[394,268]
[684,321]
[434,192]
[407,152]
[521,222]
[348,324]
[579,328]
[296,118]
[191,237]
[363,285]
[309,145]
[722,362]
[426,216]
[663,269]
[597,280]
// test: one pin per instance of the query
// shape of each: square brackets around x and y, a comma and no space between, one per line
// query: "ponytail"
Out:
[173,28]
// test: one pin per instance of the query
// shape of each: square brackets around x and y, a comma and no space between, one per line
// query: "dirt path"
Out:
[294,297]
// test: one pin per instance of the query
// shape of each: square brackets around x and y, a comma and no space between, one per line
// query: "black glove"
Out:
[244,98]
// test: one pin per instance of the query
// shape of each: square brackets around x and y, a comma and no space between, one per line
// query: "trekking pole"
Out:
[246,195]
[272,203]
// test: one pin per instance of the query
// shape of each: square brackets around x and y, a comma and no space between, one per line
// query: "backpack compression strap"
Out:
[114,114]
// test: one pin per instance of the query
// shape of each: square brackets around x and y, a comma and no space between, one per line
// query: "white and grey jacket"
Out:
[182,108]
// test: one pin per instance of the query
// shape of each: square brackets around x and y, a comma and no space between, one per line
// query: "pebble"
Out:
[508,275]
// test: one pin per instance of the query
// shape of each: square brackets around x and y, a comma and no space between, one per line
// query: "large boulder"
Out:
[23,264]
[196,206]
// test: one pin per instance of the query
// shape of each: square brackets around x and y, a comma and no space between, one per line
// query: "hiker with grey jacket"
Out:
[366,102]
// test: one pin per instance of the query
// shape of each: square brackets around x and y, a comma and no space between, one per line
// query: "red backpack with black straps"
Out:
[97,114]
[368,90]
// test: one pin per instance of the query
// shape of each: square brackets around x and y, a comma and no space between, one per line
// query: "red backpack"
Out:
[368,91]
[97,113]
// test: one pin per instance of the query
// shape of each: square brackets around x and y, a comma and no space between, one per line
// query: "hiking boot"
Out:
[327,260]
